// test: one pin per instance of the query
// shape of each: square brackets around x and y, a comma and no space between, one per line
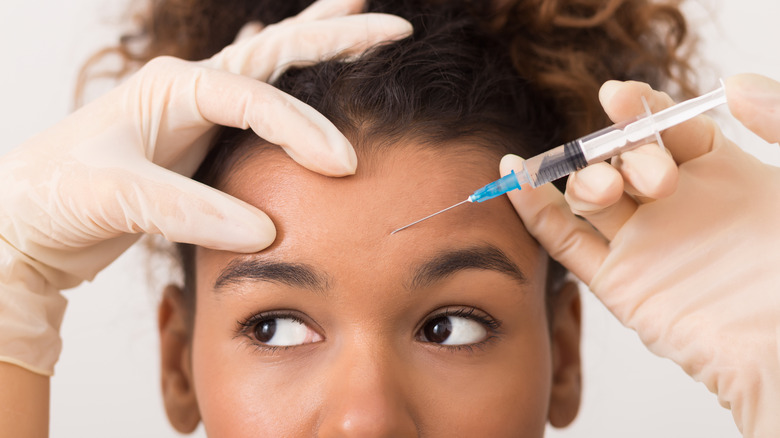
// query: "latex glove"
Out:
[76,196]
[683,248]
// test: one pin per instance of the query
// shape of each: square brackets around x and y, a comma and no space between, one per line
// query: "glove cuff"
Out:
[31,312]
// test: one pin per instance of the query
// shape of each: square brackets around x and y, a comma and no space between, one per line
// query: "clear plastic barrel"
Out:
[611,141]
[555,163]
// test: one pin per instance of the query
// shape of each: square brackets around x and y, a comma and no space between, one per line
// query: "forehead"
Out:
[343,225]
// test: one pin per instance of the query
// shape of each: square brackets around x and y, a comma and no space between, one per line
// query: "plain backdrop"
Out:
[107,380]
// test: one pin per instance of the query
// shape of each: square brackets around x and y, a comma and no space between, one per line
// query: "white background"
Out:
[107,379]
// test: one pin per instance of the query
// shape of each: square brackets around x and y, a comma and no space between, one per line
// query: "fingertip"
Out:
[403,28]
[306,136]
[525,195]
[388,27]
[325,150]
[350,166]
[738,92]
[327,164]
[247,231]
[322,9]
[754,100]
[621,96]
[343,154]
[528,200]
[594,187]
[334,157]
[608,91]
[623,100]
[751,86]
[261,234]
[248,30]
[509,163]
[649,171]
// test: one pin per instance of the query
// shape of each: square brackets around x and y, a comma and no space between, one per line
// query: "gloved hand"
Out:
[683,247]
[76,196]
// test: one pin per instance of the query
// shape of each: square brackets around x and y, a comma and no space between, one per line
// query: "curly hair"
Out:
[565,48]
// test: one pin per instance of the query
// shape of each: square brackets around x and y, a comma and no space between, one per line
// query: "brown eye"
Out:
[265,330]
[453,330]
[283,331]
[438,329]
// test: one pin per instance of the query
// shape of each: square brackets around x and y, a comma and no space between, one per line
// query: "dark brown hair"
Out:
[565,48]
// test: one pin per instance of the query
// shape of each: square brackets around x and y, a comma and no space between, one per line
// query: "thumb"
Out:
[186,211]
[755,101]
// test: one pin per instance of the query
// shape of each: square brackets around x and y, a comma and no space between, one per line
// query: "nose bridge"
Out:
[366,393]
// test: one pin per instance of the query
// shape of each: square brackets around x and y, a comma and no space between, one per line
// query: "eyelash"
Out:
[246,326]
[493,327]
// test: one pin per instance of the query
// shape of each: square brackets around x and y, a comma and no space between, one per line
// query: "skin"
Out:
[24,403]
[366,367]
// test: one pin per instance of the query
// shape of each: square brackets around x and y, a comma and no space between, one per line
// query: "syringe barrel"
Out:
[555,163]
[592,148]
[618,138]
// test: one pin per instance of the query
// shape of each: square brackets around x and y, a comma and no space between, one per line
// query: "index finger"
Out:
[196,98]
[288,44]
[623,100]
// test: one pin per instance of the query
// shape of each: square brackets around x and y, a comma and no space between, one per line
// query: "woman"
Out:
[131,227]
[460,327]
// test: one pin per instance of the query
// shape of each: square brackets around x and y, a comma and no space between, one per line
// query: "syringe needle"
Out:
[430,216]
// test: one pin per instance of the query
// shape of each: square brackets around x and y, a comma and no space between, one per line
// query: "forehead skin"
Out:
[370,362]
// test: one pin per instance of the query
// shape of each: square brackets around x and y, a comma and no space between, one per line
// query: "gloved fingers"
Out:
[158,201]
[608,195]
[318,10]
[545,214]
[287,44]
[623,101]
[596,193]
[322,9]
[649,172]
[755,101]
[306,135]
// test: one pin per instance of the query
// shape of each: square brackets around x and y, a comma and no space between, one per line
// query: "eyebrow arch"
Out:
[443,265]
[298,275]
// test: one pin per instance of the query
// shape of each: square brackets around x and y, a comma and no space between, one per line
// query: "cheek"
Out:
[242,397]
[521,390]
[506,397]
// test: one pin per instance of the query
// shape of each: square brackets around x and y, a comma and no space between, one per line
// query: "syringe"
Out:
[593,148]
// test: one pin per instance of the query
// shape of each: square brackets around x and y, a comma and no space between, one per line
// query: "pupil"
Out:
[265,330]
[438,330]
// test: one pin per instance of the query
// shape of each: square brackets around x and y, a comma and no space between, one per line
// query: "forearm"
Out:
[24,403]
[30,314]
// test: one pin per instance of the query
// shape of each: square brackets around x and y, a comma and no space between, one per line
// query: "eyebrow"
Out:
[298,275]
[448,263]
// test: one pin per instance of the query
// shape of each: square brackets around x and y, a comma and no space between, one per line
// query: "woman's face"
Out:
[342,329]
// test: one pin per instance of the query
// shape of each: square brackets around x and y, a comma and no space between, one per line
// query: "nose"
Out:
[367,397]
